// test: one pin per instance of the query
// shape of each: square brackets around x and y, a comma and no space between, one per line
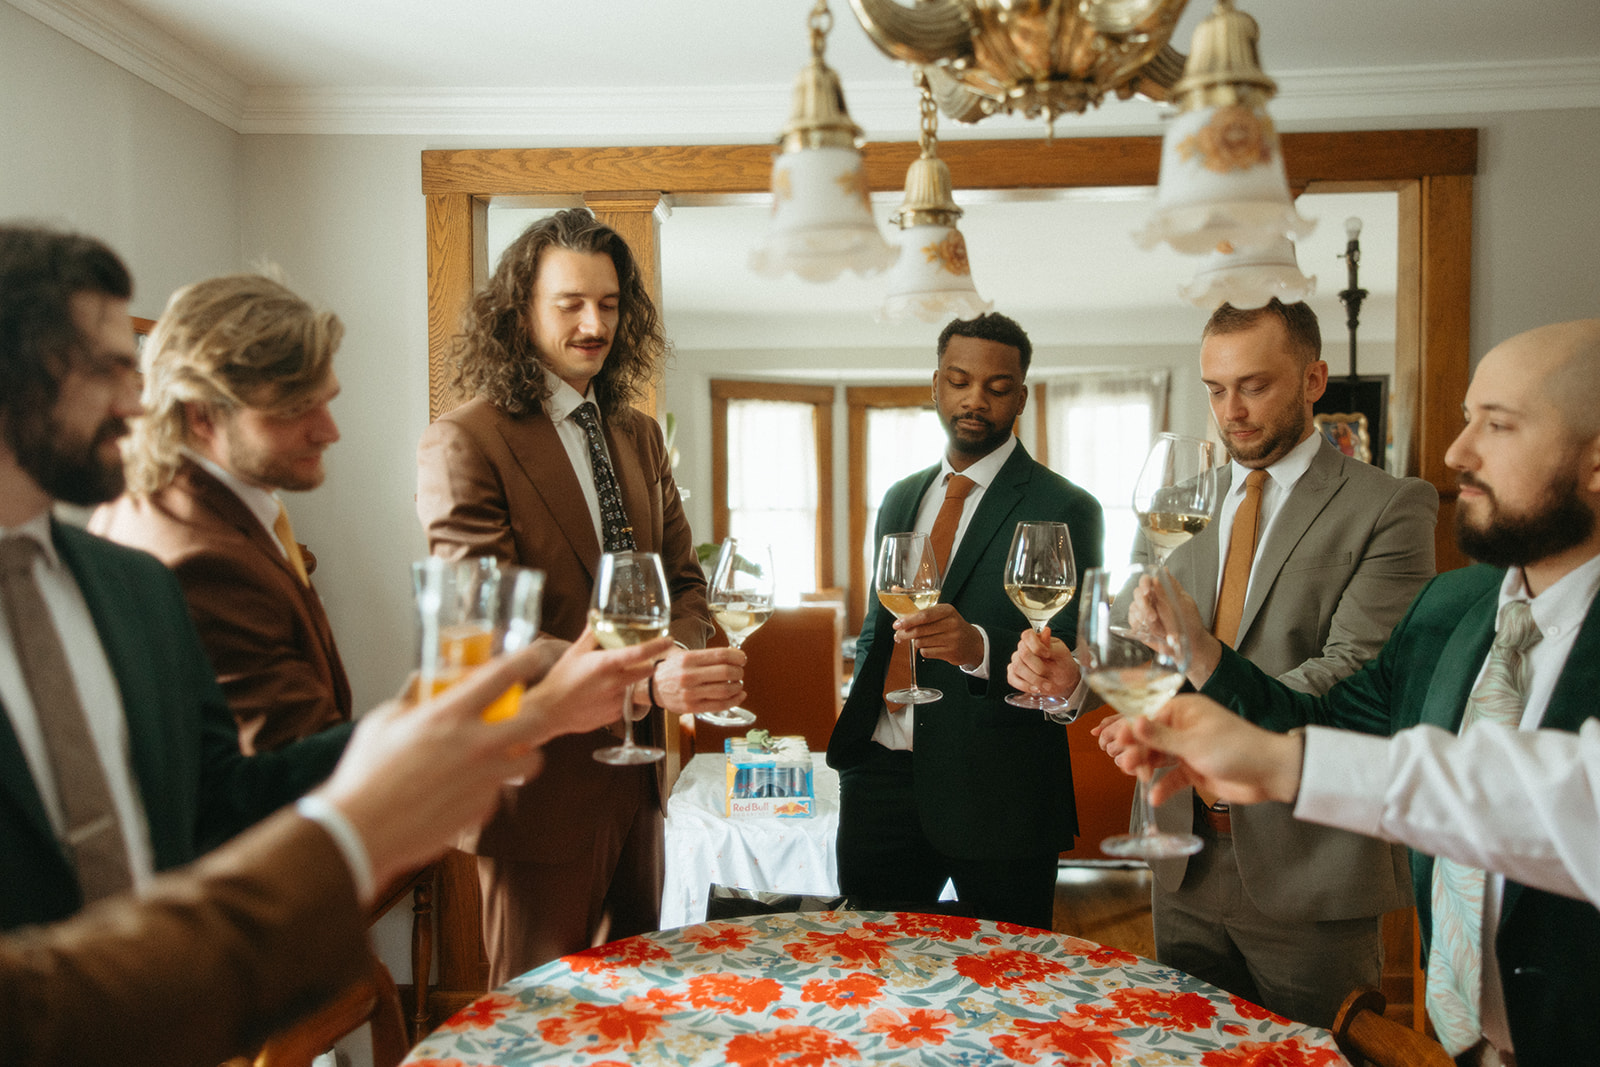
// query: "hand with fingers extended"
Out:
[1217,752]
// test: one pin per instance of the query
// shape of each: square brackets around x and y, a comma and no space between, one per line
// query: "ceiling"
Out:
[552,72]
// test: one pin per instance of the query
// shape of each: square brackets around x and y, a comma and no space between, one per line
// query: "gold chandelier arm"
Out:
[1156,80]
[925,34]
[955,100]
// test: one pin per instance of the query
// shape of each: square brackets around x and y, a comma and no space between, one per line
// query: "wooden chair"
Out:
[1366,1035]
[373,1000]
[1103,794]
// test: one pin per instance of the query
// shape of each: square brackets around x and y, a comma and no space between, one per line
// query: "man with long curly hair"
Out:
[548,465]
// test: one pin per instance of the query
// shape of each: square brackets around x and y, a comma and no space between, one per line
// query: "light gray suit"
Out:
[1347,551]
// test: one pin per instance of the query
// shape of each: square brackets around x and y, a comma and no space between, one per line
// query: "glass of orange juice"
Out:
[469,612]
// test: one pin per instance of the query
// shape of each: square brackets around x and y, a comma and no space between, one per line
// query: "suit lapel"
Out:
[1199,557]
[1456,670]
[538,450]
[16,781]
[1306,501]
[1572,701]
[999,501]
[627,464]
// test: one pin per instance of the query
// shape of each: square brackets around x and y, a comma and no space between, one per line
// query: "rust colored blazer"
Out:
[213,959]
[267,634]
[492,485]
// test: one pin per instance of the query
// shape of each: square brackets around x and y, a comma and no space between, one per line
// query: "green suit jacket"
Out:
[196,786]
[992,780]
[1548,945]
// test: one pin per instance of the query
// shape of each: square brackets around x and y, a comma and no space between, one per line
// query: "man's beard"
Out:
[1557,522]
[1278,439]
[72,470]
[993,437]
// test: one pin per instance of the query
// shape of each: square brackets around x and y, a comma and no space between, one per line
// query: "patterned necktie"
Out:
[291,547]
[1455,959]
[616,531]
[956,488]
[94,838]
[1241,556]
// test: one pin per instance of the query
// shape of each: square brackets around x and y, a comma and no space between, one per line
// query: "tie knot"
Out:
[1518,632]
[958,487]
[16,556]
[1255,480]
[587,415]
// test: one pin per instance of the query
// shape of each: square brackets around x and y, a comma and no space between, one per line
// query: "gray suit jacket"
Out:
[1347,552]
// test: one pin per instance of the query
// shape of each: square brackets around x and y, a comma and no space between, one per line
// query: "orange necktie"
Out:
[291,547]
[1241,555]
[956,488]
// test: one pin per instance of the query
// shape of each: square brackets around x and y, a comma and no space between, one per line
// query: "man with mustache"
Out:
[967,788]
[547,466]
[1309,565]
[118,754]
[238,379]
[1514,641]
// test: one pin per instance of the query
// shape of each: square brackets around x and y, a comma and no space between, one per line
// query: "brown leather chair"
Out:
[1366,1035]
[1103,794]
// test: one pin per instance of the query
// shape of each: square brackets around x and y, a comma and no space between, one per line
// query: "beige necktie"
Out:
[956,489]
[93,833]
[285,531]
[1455,956]
[1241,556]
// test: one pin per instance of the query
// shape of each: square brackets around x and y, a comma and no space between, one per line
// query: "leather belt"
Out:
[1218,821]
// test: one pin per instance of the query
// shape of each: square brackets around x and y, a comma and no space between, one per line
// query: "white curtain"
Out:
[772,487]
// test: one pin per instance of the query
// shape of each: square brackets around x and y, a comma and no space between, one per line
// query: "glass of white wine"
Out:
[741,594]
[1176,492]
[908,582]
[1040,578]
[1136,676]
[631,606]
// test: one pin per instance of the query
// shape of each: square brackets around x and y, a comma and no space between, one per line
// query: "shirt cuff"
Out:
[981,671]
[318,810]
[1344,779]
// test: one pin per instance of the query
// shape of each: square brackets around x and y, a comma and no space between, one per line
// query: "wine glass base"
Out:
[920,695]
[1162,846]
[728,717]
[1036,702]
[625,755]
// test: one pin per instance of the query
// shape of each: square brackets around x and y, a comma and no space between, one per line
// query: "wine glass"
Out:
[1175,493]
[631,606]
[1040,578]
[908,582]
[471,611]
[1136,676]
[741,594]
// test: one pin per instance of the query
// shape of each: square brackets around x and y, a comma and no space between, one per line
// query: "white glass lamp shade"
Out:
[932,280]
[1250,278]
[1222,185]
[821,218]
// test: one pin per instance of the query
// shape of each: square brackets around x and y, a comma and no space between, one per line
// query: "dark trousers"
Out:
[887,863]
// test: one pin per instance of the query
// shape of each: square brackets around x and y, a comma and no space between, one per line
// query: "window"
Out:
[1095,430]
[772,476]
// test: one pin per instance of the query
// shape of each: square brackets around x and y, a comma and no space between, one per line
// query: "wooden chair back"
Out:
[373,1000]
[1366,1035]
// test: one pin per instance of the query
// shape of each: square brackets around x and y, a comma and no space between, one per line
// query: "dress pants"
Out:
[887,863]
[536,912]
[1302,970]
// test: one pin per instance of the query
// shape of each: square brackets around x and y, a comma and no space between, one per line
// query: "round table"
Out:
[823,988]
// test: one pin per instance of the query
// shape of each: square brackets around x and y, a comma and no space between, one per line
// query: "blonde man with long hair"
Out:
[238,379]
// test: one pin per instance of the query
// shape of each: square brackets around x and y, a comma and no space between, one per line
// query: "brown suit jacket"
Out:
[212,960]
[492,485]
[266,634]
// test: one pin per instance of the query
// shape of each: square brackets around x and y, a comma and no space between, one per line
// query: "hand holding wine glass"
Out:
[1040,578]
[741,596]
[1176,492]
[631,605]
[908,582]
[1136,676]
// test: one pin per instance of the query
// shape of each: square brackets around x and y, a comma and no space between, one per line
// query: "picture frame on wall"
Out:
[1347,432]
[1348,396]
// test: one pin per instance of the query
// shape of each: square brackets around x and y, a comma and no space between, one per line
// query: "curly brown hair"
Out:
[495,355]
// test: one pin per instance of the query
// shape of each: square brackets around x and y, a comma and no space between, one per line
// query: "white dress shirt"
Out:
[564,400]
[894,729]
[97,691]
[1282,477]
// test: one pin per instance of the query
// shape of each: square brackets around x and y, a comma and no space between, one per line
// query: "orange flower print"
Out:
[730,992]
[1007,968]
[910,1027]
[1236,138]
[937,927]
[1249,1010]
[854,184]
[850,991]
[1106,956]
[444,1063]
[950,254]
[719,938]
[1069,1039]
[618,955]
[608,1027]
[1015,930]
[481,1013]
[790,1046]
[853,948]
[1291,1053]
[1157,1007]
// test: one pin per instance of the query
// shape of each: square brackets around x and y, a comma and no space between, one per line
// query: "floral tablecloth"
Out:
[825,988]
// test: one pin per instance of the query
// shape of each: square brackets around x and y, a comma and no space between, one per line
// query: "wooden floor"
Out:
[1109,905]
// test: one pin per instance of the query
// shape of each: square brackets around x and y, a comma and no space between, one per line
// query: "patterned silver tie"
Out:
[616,531]
[94,838]
[1455,958]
